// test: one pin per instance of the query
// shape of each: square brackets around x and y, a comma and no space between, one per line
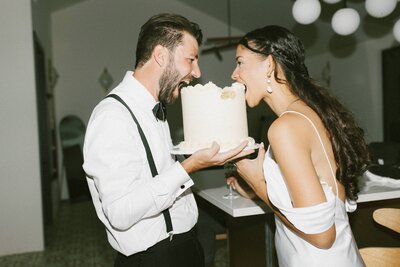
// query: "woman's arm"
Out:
[291,145]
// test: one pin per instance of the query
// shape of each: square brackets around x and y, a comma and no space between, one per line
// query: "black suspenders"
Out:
[150,159]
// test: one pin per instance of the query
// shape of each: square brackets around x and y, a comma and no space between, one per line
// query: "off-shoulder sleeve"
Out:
[310,220]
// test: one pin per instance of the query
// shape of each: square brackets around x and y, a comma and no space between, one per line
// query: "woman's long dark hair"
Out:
[348,144]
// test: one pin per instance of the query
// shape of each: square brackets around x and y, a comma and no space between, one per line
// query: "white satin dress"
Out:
[292,250]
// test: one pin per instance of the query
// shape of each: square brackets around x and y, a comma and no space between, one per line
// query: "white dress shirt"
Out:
[127,199]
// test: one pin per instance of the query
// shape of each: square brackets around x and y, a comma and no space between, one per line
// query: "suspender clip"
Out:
[171,234]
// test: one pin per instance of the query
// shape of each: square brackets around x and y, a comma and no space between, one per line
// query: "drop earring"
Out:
[269,88]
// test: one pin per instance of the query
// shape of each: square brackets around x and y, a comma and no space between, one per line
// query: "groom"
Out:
[140,192]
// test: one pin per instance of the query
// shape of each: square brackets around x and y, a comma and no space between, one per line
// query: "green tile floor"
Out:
[78,239]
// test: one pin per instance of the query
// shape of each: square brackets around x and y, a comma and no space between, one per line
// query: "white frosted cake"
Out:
[214,114]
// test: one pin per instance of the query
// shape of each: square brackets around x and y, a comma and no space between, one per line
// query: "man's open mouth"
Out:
[183,84]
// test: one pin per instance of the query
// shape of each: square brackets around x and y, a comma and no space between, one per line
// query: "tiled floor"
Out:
[79,240]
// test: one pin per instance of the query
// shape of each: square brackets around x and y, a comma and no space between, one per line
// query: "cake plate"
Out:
[188,151]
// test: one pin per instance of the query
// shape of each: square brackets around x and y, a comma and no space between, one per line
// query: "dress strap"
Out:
[322,144]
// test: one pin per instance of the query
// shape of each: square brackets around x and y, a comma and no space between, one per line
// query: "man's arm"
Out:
[115,160]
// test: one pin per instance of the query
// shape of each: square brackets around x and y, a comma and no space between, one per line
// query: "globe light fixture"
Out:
[396,31]
[306,11]
[331,1]
[380,8]
[345,21]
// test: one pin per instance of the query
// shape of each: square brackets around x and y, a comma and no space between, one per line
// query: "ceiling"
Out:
[317,37]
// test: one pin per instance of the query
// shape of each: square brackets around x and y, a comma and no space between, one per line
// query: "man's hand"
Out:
[209,157]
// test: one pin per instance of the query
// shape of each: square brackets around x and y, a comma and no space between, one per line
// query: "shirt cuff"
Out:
[181,180]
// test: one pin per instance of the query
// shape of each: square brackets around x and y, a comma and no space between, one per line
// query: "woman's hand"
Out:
[240,186]
[251,170]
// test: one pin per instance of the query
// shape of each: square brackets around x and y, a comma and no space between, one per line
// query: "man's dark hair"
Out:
[166,30]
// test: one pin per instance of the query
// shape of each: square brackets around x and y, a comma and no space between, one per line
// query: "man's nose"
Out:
[196,71]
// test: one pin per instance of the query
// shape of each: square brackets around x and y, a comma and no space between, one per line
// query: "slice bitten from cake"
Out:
[211,113]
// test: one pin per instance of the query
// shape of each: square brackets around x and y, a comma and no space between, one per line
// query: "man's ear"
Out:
[160,55]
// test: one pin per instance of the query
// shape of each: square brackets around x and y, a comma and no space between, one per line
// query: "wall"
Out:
[21,227]
[95,34]
[356,79]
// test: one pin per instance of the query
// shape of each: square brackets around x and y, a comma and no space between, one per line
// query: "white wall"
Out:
[357,81]
[21,227]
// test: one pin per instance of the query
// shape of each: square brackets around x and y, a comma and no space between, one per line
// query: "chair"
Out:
[388,217]
[72,133]
[381,257]
[384,256]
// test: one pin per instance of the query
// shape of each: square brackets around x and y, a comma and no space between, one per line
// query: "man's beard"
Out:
[169,81]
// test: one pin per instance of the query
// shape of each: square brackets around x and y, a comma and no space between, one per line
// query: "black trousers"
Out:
[183,251]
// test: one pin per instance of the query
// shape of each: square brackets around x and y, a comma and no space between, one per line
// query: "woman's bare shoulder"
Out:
[288,126]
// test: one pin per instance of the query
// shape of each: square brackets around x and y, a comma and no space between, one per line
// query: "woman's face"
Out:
[251,70]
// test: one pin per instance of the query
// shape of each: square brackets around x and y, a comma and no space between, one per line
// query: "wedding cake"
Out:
[214,114]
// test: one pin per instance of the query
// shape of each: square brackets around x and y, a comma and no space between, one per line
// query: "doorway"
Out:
[45,145]
[391,94]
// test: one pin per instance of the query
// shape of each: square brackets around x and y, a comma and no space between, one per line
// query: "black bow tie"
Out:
[160,111]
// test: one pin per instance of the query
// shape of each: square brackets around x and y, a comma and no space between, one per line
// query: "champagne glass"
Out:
[231,194]
[230,169]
